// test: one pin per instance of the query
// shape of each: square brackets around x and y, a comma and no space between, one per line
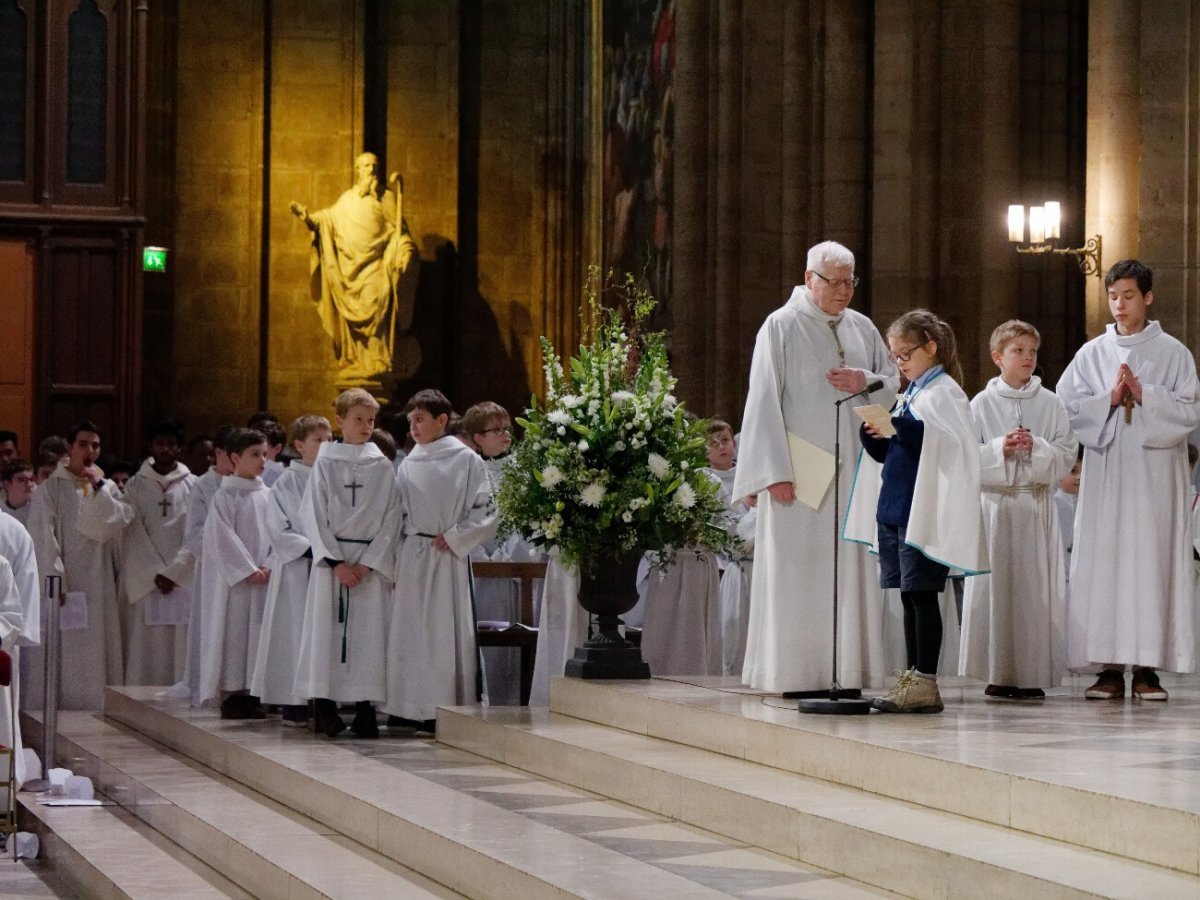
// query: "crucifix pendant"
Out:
[1127,402]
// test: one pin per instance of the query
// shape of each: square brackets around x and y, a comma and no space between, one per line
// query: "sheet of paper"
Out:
[171,609]
[73,614]
[878,417]
[812,470]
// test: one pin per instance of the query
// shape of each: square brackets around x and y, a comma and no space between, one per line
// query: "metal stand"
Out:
[50,694]
[840,701]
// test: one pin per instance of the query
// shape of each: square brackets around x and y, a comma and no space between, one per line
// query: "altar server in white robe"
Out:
[1132,398]
[16,547]
[1066,496]
[234,576]
[733,593]
[18,483]
[809,353]
[446,510]
[1014,633]
[350,516]
[10,634]
[76,523]
[916,498]
[274,679]
[199,502]
[157,566]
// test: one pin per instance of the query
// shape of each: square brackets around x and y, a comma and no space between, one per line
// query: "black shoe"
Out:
[366,723]
[295,716]
[233,707]
[326,720]
[429,725]
[1031,694]
[252,708]
[1004,691]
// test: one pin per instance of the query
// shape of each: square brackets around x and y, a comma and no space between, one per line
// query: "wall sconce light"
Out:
[1045,223]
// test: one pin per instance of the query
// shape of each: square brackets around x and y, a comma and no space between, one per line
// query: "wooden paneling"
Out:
[16,336]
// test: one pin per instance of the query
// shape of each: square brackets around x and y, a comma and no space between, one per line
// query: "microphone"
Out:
[872,387]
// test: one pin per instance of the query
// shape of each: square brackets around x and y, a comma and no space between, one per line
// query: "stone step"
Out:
[893,844]
[265,848]
[104,852]
[1117,778]
[482,829]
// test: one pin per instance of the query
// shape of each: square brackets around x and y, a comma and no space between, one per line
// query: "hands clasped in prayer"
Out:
[1126,385]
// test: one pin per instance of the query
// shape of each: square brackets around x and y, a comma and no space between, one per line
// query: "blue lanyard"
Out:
[905,400]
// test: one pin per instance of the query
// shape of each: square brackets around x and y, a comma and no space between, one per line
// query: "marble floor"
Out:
[1142,751]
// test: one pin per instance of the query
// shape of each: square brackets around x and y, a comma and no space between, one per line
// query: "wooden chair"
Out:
[523,633]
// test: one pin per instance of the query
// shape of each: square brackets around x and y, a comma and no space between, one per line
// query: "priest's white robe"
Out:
[349,514]
[433,654]
[274,679]
[1131,598]
[199,501]
[76,530]
[1015,618]
[16,546]
[790,632]
[562,626]
[154,545]
[681,630]
[235,547]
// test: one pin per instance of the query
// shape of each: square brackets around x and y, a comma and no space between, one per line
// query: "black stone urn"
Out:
[608,593]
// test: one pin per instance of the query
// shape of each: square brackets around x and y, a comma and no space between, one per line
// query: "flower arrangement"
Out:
[610,463]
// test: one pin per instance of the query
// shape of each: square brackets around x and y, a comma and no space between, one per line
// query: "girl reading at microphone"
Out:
[916,498]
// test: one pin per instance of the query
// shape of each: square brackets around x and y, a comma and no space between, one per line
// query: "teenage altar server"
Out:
[1132,398]
[274,680]
[810,352]
[157,567]
[76,523]
[234,576]
[1014,631]
[349,516]
[16,547]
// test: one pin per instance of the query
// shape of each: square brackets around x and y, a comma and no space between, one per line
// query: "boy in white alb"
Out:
[199,501]
[1014,627]
[157,567]
[446,511]
[234,578]
[734,602]
[76,522]
[349,516]
[1132,397]
[18,481]
[274,681]
[1065,498]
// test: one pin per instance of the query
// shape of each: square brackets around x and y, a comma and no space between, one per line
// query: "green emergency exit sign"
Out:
[154,259]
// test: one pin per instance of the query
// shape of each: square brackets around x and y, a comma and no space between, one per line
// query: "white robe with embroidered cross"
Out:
[1014,629]
[1131,598]
[349,514]
[433,654]
[790,630]
[235,547]
[76,531]
[274,679]
[154,545]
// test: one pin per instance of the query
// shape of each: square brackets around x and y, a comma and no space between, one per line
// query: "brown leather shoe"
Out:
[1109,686]
[1146,685]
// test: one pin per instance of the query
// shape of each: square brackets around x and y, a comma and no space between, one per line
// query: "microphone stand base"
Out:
[835,703]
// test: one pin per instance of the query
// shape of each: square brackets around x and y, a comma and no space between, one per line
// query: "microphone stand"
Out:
[840,702]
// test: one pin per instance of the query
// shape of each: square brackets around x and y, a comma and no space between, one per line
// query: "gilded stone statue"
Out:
[364,278]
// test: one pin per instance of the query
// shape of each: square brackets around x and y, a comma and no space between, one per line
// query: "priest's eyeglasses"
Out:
[904,355]
[835,283]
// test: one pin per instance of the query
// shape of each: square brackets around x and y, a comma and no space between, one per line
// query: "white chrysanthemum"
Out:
[622,396]
[593,494]
[551,477]
[685,496]
[570,401]
[583,446]
[561,430]
[626,517]
[559,417]
[658,466]
[669,402]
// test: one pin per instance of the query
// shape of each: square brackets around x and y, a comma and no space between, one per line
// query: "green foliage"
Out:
[611,463]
